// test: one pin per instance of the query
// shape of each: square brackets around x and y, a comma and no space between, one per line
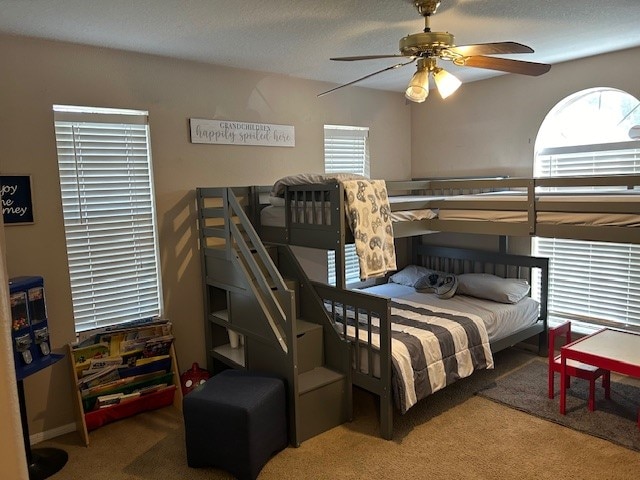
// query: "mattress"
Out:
[500,319]
[273,215]
[405,209]
[572,202]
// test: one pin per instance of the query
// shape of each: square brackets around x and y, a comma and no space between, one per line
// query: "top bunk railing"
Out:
[524,207]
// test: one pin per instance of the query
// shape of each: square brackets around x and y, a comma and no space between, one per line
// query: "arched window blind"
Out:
[106,182]
[346,150]
[593,283]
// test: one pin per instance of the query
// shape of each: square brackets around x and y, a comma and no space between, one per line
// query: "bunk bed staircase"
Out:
[261,293]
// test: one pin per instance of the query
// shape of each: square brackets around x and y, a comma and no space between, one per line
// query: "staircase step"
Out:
[322,401]
[309,345]
[317,378]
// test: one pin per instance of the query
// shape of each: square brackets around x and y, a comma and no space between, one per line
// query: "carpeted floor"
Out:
[615,419]
[452,434]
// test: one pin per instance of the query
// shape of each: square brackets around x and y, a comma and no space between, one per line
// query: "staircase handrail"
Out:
[277,316]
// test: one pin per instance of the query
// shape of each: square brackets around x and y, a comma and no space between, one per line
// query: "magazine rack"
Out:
[89,417]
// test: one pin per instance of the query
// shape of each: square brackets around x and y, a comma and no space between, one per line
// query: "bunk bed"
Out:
[314,215]
[392,351]
[601,208]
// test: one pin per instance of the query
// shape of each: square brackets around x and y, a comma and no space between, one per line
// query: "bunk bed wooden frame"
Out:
[372,309]
[329,230]
[371,306]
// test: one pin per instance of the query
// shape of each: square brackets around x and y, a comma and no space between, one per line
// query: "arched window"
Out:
[592,132]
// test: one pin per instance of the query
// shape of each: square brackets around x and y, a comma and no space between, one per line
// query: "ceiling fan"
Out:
[427,47]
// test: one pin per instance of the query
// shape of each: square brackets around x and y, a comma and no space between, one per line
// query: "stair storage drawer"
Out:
[322,408]
[309,346]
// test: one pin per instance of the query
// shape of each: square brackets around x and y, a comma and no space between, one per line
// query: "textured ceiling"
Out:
[297,37]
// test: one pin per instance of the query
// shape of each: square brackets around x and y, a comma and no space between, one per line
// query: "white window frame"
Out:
[346,150]
[110,220]
[593,284]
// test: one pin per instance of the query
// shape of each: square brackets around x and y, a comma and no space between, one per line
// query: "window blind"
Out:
[109,217]
[602,159]
[592,282]
[346,150]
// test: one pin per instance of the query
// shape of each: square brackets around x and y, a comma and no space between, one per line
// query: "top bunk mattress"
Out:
[607,209]
[273,215]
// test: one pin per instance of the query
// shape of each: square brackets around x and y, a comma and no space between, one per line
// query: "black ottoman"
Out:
[235,421]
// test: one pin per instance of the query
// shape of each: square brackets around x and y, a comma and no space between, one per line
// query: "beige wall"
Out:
[37,74]
[490,127]
[487,127]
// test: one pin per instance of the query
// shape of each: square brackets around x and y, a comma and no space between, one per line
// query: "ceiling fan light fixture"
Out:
[418,88]
[428,46]
[446,83]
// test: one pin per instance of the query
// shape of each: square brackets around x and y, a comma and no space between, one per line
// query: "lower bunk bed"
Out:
[408,344]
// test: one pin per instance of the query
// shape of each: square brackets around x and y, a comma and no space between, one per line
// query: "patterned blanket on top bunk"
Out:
[369,216]
[431,348]
[368,213]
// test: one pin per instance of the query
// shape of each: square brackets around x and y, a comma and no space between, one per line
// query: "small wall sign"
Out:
[16,199]
[227,132]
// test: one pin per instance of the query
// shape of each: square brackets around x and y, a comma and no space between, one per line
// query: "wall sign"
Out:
[16,199]
[227,132]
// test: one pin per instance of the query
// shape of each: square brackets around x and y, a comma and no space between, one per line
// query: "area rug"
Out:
[615,420]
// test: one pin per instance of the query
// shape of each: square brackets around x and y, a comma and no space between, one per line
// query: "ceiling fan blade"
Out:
[367,57]
[499,48]
[504,65]
[392,67]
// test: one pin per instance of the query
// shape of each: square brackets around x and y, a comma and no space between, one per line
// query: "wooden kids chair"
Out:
[574,368]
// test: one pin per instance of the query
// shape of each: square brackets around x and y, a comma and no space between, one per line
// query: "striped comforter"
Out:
[431,348]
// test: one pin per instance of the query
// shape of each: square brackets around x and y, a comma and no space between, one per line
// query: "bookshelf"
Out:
[123,371]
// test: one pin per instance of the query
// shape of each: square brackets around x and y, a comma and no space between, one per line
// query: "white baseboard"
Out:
[49,434]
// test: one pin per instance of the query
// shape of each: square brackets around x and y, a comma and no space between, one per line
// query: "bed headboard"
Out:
[507,265]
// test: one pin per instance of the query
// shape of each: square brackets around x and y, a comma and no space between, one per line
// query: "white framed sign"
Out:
[227,132]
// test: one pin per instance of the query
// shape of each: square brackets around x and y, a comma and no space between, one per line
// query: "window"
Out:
[104,161]
[346,150]
[590,133]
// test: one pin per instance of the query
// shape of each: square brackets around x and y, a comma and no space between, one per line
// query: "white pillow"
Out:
[492,287]
[276,201]
[409,275]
